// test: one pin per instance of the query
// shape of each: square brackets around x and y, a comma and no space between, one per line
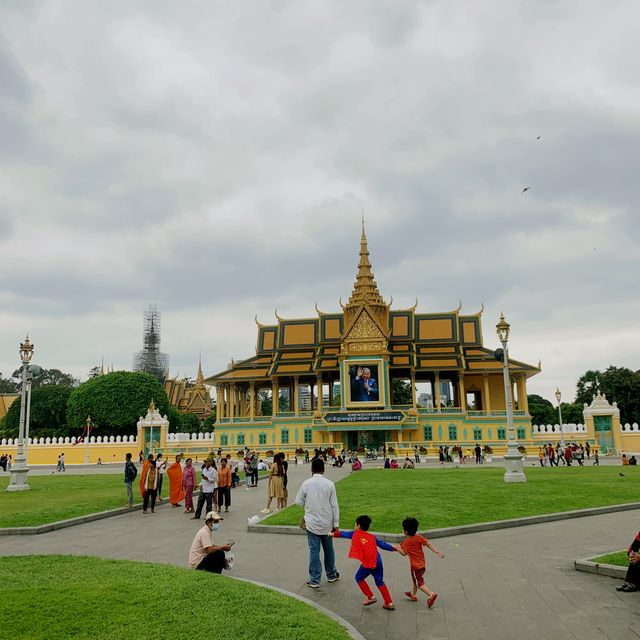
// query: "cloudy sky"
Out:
[214,158]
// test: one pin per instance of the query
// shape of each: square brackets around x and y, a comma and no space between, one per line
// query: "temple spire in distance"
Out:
[365,289]
[200,377]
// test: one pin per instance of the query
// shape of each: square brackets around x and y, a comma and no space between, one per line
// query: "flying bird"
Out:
[526,189]
[538,138]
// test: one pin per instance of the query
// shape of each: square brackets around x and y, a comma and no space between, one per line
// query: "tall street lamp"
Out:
[86,451]
[513,464]
[19,470]
[558,398]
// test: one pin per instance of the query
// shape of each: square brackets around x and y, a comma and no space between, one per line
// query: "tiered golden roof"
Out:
[365,289]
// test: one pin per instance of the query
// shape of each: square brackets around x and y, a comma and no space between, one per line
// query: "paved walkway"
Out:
[508,584]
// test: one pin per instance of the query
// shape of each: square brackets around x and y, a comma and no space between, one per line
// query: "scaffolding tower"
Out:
[151,360]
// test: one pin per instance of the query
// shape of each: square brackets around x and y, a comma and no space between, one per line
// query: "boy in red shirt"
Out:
[364,548]
[412,546]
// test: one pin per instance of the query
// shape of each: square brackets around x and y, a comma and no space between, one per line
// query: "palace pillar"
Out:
[436,394]
[275,397]
[232,400]
[486,396]
[413,390]
[320,392]
[521,384]
[462,395]
[252,400]
[311,400]
[242,401]
[218,402]
[296,396]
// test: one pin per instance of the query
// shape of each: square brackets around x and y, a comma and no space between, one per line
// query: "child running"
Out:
[412,546]
[364,548]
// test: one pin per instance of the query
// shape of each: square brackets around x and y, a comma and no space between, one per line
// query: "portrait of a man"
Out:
[364,386]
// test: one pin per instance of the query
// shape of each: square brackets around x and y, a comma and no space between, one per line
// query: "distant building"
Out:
[189,398]
[151,360]
[337,372]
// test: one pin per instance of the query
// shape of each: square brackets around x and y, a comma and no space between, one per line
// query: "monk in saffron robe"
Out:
[176,493]
[147,463]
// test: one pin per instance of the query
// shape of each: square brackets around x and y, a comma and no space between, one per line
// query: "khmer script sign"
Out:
[365,416]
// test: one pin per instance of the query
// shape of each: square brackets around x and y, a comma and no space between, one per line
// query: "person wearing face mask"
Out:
[204,555]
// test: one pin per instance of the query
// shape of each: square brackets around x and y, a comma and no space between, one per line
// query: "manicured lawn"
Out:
[58,497]
[618,558]
[60,597]
[449,497]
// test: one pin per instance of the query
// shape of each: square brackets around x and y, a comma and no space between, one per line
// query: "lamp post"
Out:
[558,398]
[19,470]
[513,465]
[86,451]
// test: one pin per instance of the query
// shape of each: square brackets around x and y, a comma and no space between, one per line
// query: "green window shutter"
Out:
[428,432]
[262,438]
[308,436]
[284,436]
[502,434]
[224,440]
[453,433]
[241,438]
[477,434]
[522,433]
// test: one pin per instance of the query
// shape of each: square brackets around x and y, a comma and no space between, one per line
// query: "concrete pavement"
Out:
[506,584]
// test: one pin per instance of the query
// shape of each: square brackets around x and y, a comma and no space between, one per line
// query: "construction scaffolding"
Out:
[151,360]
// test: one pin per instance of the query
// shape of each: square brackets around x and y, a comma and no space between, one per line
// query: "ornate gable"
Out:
[365,335]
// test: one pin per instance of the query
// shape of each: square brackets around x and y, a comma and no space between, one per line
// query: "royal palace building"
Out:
[367,376]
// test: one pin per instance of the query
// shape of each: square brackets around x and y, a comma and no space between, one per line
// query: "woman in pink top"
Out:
[188,484]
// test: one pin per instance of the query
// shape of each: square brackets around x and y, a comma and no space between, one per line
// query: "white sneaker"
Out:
[265,510]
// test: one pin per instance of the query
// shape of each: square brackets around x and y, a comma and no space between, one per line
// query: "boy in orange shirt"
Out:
[412,546]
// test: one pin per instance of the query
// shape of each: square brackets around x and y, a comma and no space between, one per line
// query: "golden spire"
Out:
[365,289]
[200,378]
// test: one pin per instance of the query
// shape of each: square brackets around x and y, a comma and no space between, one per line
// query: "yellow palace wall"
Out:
[198,446]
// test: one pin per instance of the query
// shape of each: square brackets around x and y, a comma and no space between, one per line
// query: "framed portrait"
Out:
[364,383]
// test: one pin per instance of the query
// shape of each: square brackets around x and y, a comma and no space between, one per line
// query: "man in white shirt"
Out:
[204,555]
[209,480]
[321,516]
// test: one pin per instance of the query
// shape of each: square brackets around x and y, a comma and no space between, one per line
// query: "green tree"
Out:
[209,423]
[401,392]
[588,385]
[541,410]
[266,404]
[619,384]
[7,385]
[115,401]
[51,376]
[189,423]
[283,403]
[572,413]
[48,413]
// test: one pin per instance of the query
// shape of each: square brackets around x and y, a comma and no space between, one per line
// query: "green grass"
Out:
[60,597]
[449,497]
[619,558]
[57,497]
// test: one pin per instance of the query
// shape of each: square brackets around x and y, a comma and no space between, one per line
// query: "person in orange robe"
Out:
[176,492]
[147,463]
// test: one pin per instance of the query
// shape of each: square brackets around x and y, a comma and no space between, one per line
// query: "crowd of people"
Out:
[218,474]
[550,456]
